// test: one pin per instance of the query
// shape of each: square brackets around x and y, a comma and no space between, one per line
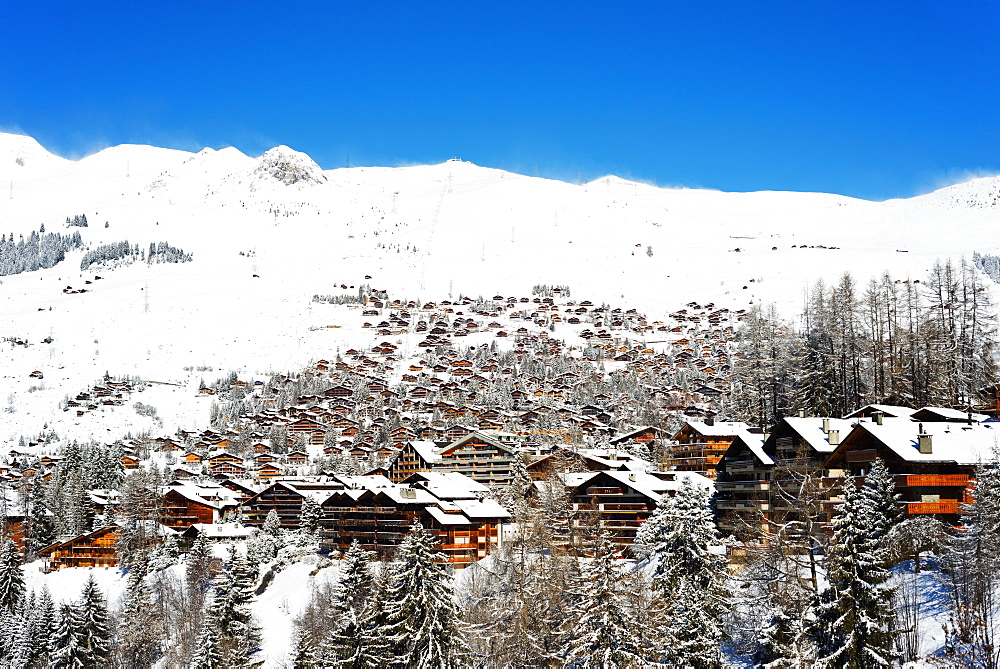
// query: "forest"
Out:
[916,343]
[40,250]
[560,593]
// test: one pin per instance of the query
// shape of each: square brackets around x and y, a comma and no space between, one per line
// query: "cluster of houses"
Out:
[378,439]
[932,454]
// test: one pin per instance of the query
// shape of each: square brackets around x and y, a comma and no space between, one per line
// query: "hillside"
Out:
[268,233]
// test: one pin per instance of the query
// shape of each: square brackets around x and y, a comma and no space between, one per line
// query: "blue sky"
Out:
[873,100]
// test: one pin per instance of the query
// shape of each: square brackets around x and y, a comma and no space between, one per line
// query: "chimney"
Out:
[970,417]
[833,436]
[709,421]
[826,424]
[802,413]
[878,417]
[924,442]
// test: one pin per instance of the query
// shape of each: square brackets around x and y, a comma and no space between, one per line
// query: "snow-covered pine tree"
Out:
[356,580]
[603,632]
[140,628]
[971,562]
[854,617]
[310,515]
[304,654]
[421,624]
[95,632]
[239,633]
[689,576]
[23,648]
[11,576]
[66,650]
[207,652]
[359,643]
[879,492]
[198,572]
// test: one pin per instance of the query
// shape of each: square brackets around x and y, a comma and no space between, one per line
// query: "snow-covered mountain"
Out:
[268,233]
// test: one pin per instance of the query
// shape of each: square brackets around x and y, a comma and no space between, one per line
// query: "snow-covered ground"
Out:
[268,233]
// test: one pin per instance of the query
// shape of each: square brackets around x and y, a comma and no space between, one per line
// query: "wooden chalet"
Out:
[932,464]
[700,445]
[94,549]
[184,504]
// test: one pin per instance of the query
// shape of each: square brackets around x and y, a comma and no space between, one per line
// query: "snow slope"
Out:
[267,233]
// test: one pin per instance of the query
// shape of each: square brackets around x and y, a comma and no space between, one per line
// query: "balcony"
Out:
[932,480]
[743,486]
[742,505]
[950,506]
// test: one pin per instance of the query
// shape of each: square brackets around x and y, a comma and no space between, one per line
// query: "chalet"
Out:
[93,549]
[620,501]
[297,458]
[377,514]
[743,487]
[700,445]
[932,463]
[266,472]
[414,456]
[183,504]
[478,456]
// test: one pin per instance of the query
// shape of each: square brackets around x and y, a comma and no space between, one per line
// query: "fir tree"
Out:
[207,654]
[359,642]
[854,617]
[356,580]
[689,576]
[11,576]
[603,633]
[140,628]
[879,492]
[67,650]
[310,515]
[95,633]
[421,618]
[304,651]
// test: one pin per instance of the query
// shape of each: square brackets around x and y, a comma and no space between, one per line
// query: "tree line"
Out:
[40,250]
[912,343]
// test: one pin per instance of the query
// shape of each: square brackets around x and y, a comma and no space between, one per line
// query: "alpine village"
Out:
[700,490]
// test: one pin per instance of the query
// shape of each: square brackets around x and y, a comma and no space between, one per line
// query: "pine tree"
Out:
[689,576]
[199,569]
[304,651]
[238,631]
[356,580]
[421,618]
[310,515]
[11,576]
[879,492]
[140,629]
[971,563]
[854,617]
[603,633]
[359,642]
[207,654]
[67,650]
[95,632]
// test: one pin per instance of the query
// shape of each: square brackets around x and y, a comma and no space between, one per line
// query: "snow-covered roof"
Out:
[719,428]
[944,414]
[450,485]
[426,449]
[222,530]
[485,508]
[950,442]
[812,432]
[889,410]
[448,518]
[755,442]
